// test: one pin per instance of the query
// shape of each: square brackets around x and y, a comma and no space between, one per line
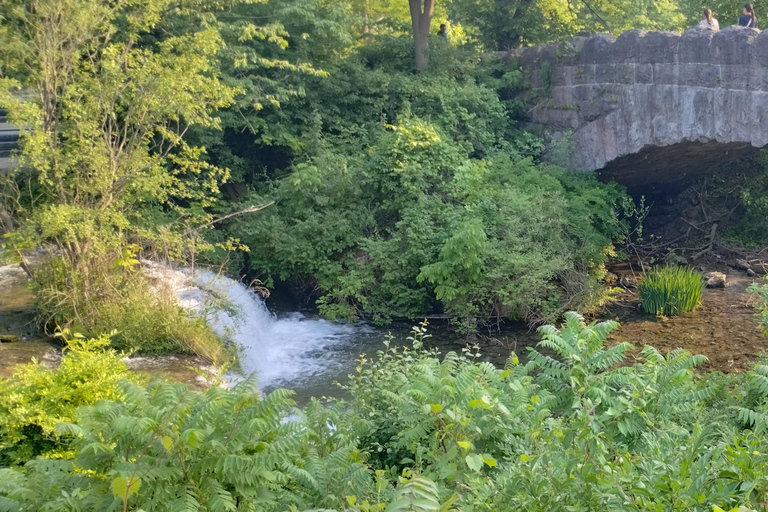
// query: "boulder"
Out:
[8,338]
[715,279]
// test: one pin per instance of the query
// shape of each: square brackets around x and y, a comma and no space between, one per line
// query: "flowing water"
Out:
[284,349]
[307,354]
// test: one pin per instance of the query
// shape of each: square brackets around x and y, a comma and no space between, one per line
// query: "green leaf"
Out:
[167,442]
[436,408]
[474,461]
[122,490]
[464,444]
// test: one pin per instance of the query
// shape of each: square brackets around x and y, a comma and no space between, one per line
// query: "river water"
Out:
[310,355]
[284,348]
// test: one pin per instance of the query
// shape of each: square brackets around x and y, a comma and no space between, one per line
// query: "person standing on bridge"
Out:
[749,19]
[709,21]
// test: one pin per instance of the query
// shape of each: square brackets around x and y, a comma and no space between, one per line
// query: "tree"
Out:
[421,18]
[112,90]
[103,138]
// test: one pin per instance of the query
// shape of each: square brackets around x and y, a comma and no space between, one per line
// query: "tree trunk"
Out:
[421,19]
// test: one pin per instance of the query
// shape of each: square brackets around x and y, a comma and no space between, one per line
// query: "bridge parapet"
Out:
[703,92]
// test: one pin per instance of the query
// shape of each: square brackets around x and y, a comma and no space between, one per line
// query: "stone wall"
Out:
[645,90]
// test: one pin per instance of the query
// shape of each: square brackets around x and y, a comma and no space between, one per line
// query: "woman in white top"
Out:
[709,21]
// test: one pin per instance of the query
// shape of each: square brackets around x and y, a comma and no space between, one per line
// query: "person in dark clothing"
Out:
[749,19]
[443,32]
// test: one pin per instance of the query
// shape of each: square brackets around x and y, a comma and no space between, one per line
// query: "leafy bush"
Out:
[36,399]
[671,290]
[107,169]
[574,429]
[415,224]
[761,305]
[116,296]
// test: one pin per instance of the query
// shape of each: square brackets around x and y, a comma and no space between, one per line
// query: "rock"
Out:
[653,97]
[629,281]
[8,338]
[715,279]
[741,265]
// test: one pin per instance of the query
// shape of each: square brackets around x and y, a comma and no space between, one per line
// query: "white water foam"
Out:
[282,350]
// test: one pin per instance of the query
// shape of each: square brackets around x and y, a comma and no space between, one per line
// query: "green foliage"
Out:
[422,196]
[395,194]
[577,429]
[36,399]
[98,136]
[671,290]
[742,186]
[506,24]
[145,319]
[727,12]
[104,94]
[199,451]
[762,304]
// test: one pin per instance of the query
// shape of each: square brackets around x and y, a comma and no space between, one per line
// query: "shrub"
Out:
[36,398]
[761,305]
[671,290]
[116,296]
[422,433]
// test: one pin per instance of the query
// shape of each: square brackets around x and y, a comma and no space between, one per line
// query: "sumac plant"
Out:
[579,427]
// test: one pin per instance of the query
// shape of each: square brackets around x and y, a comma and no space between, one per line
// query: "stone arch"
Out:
[645,91]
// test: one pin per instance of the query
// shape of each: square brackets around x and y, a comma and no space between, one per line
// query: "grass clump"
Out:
[671,290]
[103,297]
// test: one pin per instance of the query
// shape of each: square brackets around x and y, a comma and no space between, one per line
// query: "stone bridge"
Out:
[651,107]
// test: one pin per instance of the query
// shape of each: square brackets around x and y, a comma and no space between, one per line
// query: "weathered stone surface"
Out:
[9,338]
[715,279]
[701,95]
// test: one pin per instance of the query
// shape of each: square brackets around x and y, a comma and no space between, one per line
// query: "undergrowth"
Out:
[671,290]
[574,429]
[116,296]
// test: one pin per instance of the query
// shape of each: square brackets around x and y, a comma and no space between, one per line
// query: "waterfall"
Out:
[283,350]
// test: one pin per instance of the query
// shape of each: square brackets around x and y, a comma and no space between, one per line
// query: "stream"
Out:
[284,348]
[310,355]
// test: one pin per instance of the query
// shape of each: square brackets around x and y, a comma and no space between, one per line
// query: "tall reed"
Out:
[671,290]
